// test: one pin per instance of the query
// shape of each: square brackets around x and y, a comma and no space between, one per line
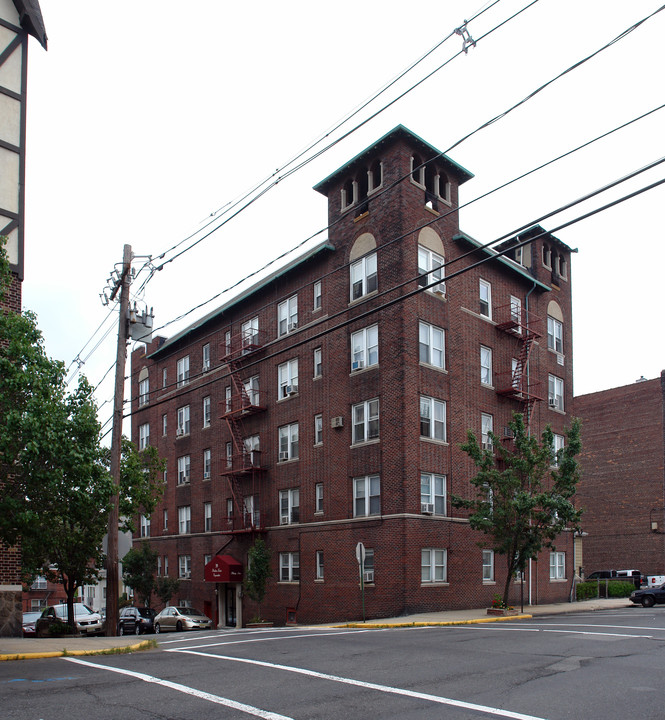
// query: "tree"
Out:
[523,493]
[166,587]
[138,571]
[258,572]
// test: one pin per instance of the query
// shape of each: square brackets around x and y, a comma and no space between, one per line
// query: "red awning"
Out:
[223,568]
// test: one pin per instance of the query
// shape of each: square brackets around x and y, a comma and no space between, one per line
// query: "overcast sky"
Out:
[146,118]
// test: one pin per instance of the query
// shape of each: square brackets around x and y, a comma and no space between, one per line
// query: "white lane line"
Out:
[586,632]
[503,627]
[267,639]
[235,633]
[369,686]
[249,709]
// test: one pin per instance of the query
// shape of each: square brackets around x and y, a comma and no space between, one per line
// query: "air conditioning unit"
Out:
[368,576]
[186,576]
[551,402]
[205,368]
[184,479]
[284,520]
[559,359]
[357,365]
[440,289]
[179,432]
[206,475]
[507,432]
[427,508]
[284,455]
[291,326]
[488,446]
[291,389]
[337,422]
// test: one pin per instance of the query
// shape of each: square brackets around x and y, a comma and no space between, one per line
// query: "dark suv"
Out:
[136,621]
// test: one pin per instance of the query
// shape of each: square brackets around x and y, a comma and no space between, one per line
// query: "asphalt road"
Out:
[607,665]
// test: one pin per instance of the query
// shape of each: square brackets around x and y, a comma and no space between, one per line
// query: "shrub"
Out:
[587,590]
[57,628]
[620,589]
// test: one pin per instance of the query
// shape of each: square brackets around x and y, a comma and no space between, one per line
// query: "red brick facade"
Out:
[380,207]
[623,482]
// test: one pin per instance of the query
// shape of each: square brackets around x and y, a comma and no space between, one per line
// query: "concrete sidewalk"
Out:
[33,648]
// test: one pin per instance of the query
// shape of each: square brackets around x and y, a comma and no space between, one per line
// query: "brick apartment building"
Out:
[325,405]
[622,489]
[18,20]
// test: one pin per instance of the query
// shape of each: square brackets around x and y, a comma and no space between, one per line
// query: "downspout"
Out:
[526,308]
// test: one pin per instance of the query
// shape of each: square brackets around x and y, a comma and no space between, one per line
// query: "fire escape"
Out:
[523,326]
[243,467]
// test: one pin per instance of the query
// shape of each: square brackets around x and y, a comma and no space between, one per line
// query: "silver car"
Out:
[181,618]
[87,621]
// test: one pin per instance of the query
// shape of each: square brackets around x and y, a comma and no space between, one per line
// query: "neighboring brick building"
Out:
[325,405]
[622,490]
[18,20]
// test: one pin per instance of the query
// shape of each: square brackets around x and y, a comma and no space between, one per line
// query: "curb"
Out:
[435,623]
[144,645]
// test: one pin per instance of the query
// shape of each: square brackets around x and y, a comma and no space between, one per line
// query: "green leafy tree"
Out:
[258,572]
[524,493]
[166,587]
[138,571]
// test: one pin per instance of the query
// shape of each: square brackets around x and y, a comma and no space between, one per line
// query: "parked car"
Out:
[29,620]
[602,575]
[649,596]
[181,618]
[87,621]
[136,620]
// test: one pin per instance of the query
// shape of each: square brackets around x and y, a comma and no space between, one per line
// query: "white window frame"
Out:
[485,298]
[365,348]
[433,493]
[183,469]
[184,566]
[207,517]
[317,301]
[555,392]
[554,335]
[486,366]
[287,316]
[288,442]
[318,429]
[205,357]
[319,565]
[182,422]
[318,362]
[144,392]
[289,506]
[366,496]
[365,419]
[433,264]
[433,565]
[363,277]
[433,412]
[558,444]
[144,436]
[557,565]
[164,377]
[318,498]
[145,526]
[488,566]
[183,371]
[516,312]
[251,386]
[289,567]
[486,427]
[431,345]
[165,520]
[249,332]
[287,378]
[185,520]
[164,424]
[229,454]
[166,566]
[206,411]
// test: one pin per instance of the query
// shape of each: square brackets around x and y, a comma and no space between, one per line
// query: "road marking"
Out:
[369,686]
[565,632]
[266,639]
[235,633]
[249,709]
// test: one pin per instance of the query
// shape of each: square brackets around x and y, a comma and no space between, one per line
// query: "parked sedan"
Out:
[29,620]
[181,618]
[87,621]
[649,596]
[136,620]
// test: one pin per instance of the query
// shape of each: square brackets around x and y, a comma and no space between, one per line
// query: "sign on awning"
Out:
[223,568]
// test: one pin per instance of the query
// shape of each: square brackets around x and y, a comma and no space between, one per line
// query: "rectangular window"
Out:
[319,564]
[251,391]
[144,392]
[184,566]
[431,263]
[229,511]
[318,363]
[363,276]
[249,332]
[287,378]
[318,296]
[368,566]
[229,454]
[289,506]
[183,371]
[145,526]
[159,565]
[287,316]
[182,425]
[366,496]
[318,429]
[557,566]
[144,436]
[184,520]
[432,494]
[289,567]
[207,517]
[431,342]
[251,511]
[516,313]
[207,463]
[365,348]
[252,451]
[166,565]
[164,423]
[227,342]
[486,427]
[164,377]
[365,420]
[227,398]
[183,469]
[554,334]
[432,418]
[558,443]
[206,411]
[485,290]
[488,565]
[555,392]
[165,520]
[205,358]
[485,365]
[433,565]
[319,497]
[288,442]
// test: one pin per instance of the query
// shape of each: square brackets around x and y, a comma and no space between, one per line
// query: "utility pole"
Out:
[112,585]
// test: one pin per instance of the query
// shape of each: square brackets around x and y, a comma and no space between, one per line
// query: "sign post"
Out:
[360,557]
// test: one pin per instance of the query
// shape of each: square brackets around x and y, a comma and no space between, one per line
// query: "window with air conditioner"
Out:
[432,418]
[184,567]
[183,469]
[207,463]
[363,276]
[431,344]
[287,378]
[555,392]
[288,441]
[368,566]
[365,348]
[432,493]
[431,270]
[365,421]
[433,565]
[366,496]
[182,424]
[289,506]
[287,316]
